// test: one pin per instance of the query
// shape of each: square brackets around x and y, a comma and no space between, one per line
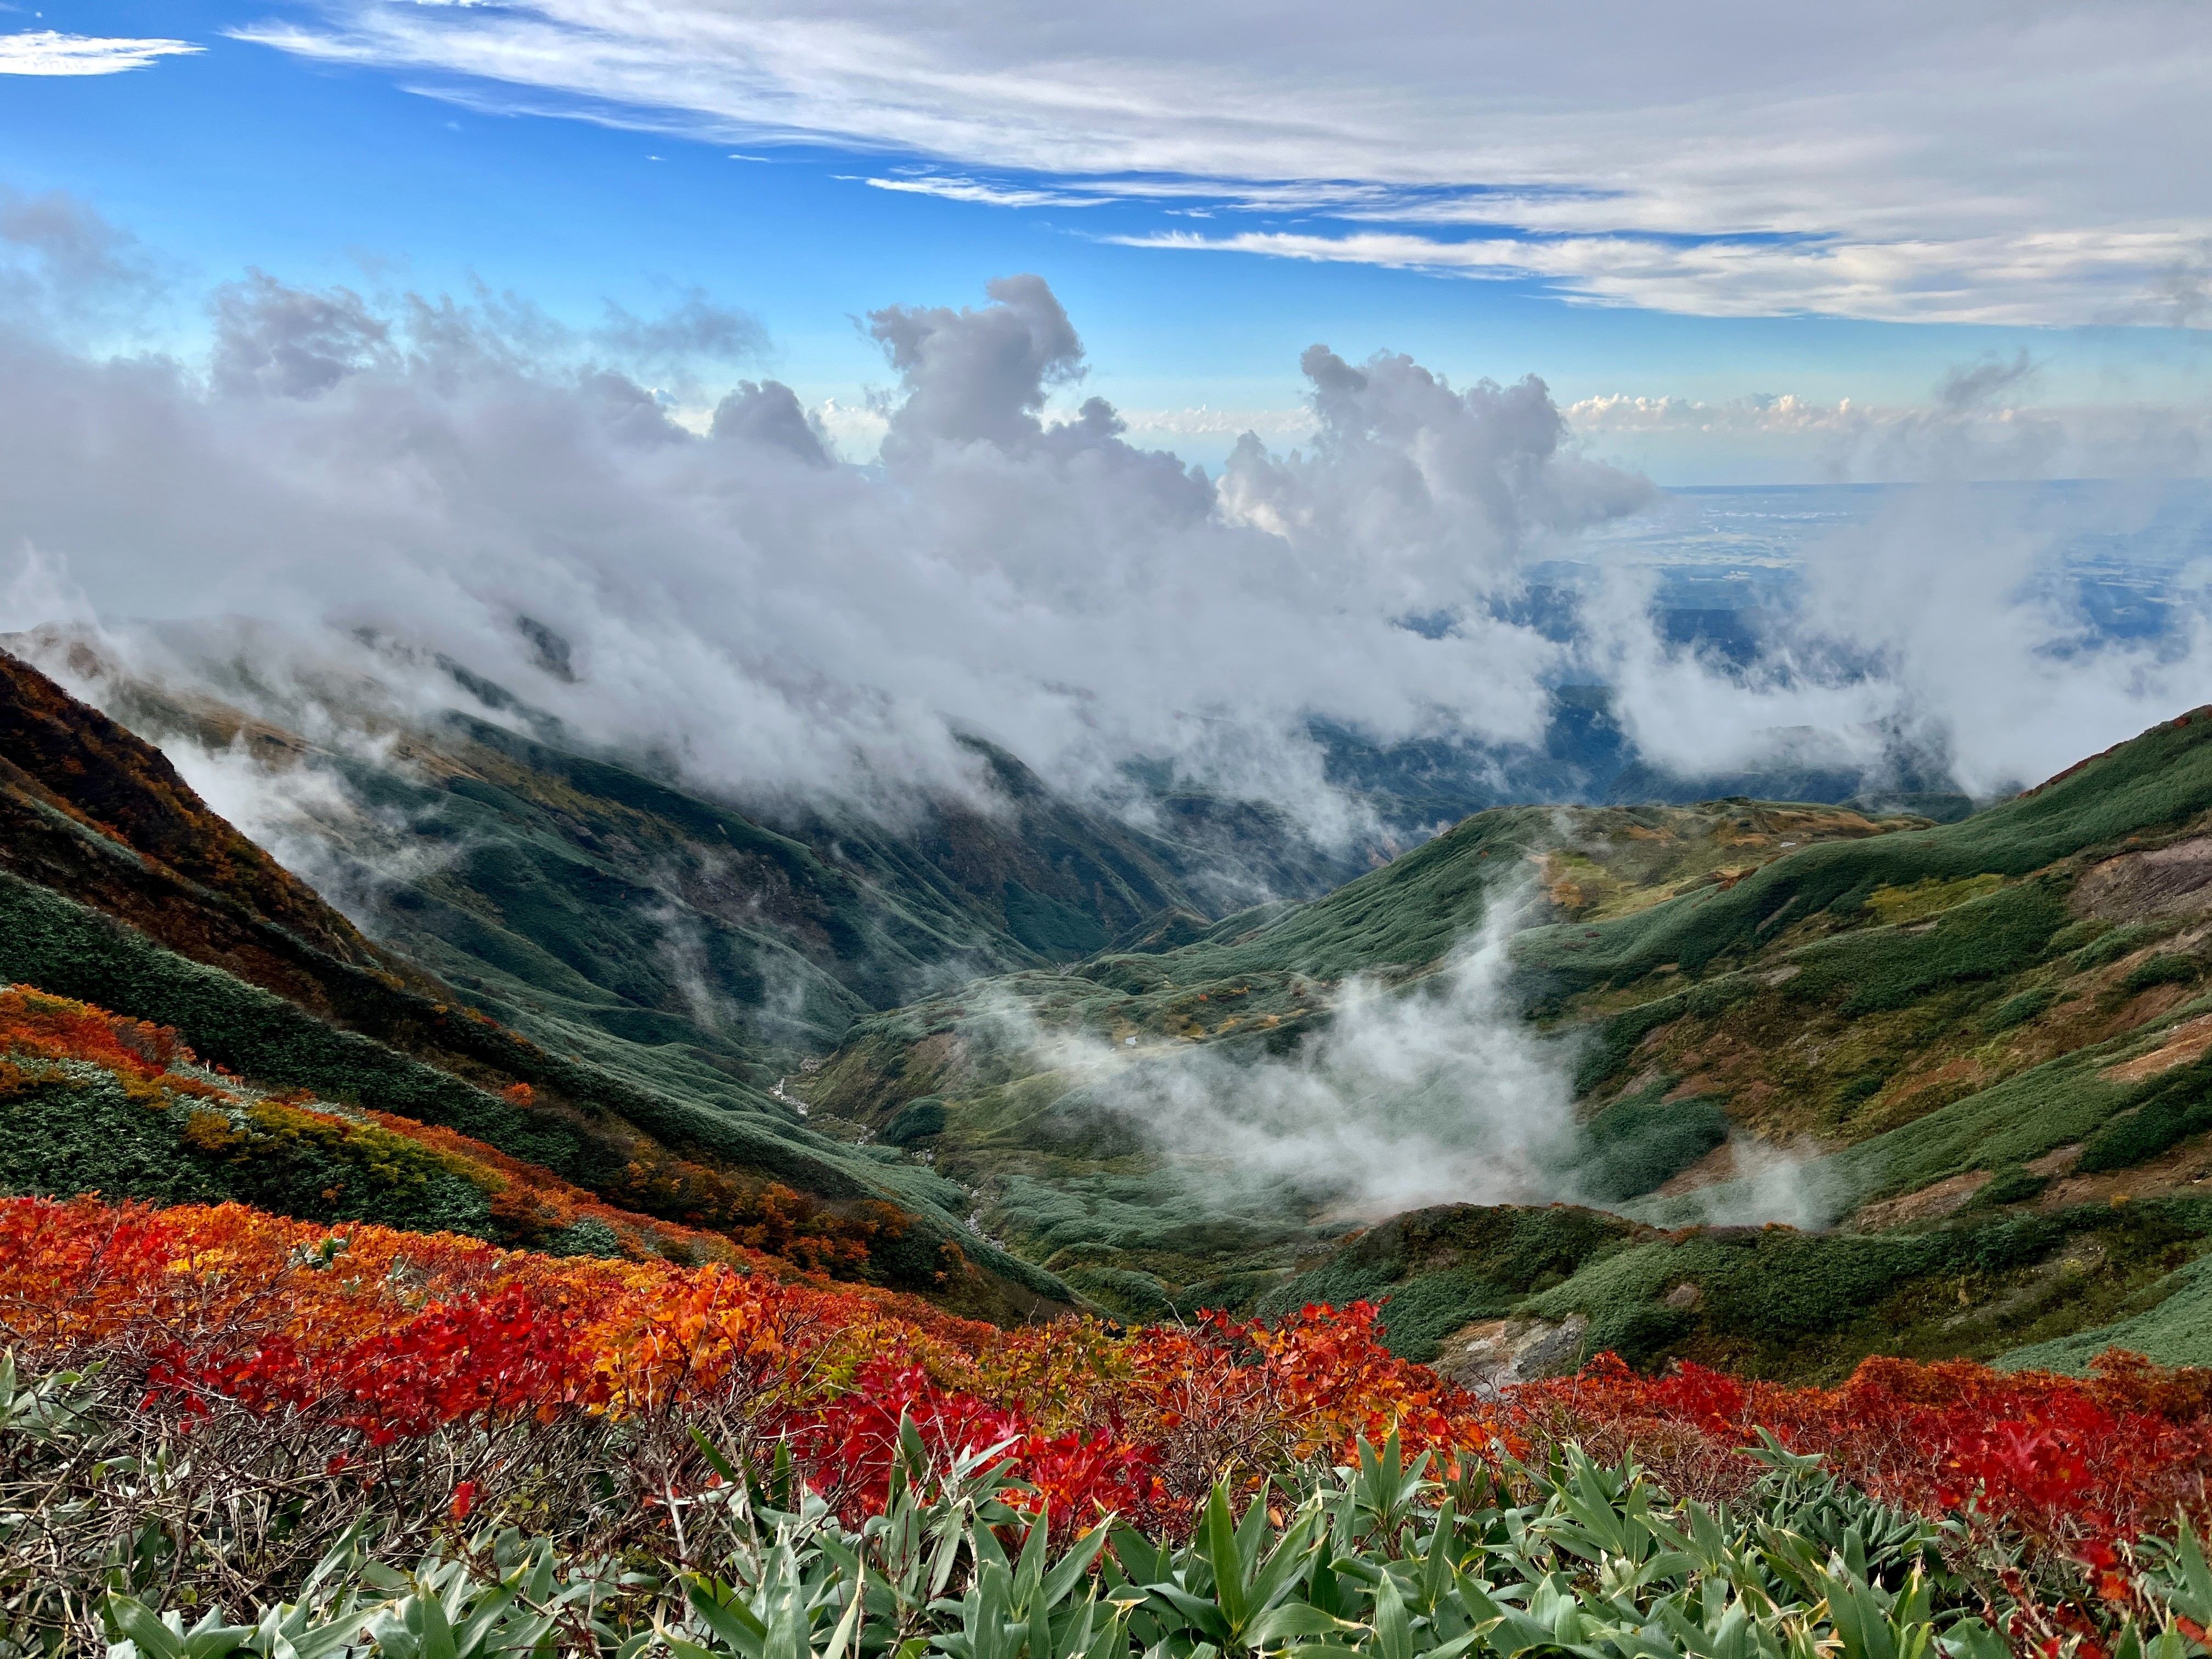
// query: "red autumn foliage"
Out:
[723,1217]
[386,1335]
[33,1026]
[380,1335]
[2065,1463]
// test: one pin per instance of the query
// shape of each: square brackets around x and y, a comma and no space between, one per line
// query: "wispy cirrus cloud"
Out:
[952,188]
[48,51]
[2031,279]
[1978,162]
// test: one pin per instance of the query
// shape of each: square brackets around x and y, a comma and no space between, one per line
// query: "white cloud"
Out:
[1979,161]
[47,52]
[1966,436]
[1206,421]
[810,603]
[1622,411]
[1438,1094]
[1942,624]
[797,603]
[974,189]
[2111,276]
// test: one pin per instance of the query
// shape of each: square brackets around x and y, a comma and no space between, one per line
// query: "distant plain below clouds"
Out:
[48,51]
[1982,161]
[1967,430]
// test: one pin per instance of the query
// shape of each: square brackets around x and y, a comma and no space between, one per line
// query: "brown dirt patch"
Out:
[1926,1205]
[2184,1042]
[2058,1161]
[2166,881]
[2186,1169]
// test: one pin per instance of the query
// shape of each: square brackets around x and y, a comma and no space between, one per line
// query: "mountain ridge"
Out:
[131,934]
[1996,1027]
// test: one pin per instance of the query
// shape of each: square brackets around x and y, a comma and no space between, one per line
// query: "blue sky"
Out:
[1740,243]
[378,146]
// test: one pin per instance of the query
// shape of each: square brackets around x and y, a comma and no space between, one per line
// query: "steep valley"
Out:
[1965,1060]
[1771,1085]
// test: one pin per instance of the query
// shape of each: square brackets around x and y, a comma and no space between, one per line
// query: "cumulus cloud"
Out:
[792,604]
[291,343]
[47,52]
[1969,162]
[695,330]
[389,481]
[67,273]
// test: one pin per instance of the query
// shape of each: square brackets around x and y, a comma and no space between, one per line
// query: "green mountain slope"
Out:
[1070,1182]
[1969,1063]
[610,910]
[1969,1060]
[119,886]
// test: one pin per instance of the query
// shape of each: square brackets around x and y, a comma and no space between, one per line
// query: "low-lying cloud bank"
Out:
[1439,1091]
[380,485]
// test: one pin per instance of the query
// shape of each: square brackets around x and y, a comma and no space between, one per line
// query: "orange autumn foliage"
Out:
[726,1218]
[384,1334]
[389,1335]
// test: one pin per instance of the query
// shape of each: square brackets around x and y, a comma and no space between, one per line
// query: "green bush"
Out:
[1776,1302]
[2015,1185]
[1444,1266]
[81,1134]
[2168,968]
[916,1121]
[1865,1086]
[2111,946]
[1893,968]
[2018,1010]
[2176,1111]
[1633,1146]
[1139,1297]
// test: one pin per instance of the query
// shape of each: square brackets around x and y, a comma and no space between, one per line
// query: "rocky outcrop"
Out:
[1491,1354]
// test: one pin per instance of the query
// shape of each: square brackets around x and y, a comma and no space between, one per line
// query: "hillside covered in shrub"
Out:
[120,889]
[1968,1060]
[274,1431]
